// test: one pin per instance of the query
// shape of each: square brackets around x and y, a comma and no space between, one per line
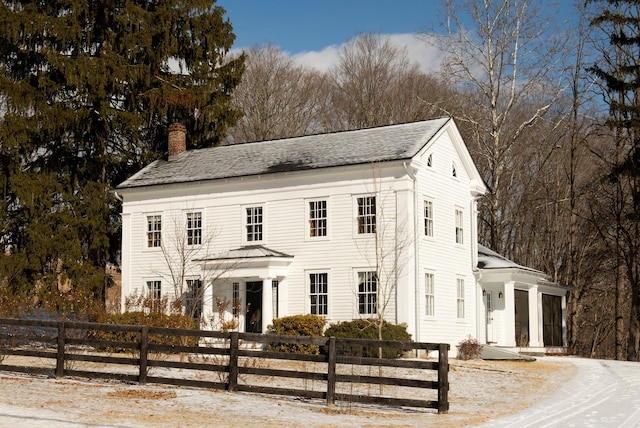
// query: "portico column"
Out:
[509,314]
[535,318]
[267,303]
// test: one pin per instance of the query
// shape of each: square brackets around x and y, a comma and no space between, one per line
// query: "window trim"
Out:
[245,224]
[430,298]
[369,227]
[198,229]
[318,294]
[460,299]
[309,220]
[148,239]
[370,296]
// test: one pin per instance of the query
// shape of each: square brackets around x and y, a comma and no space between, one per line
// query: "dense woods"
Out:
[548,109]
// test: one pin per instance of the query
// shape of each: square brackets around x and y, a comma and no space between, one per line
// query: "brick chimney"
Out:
[177,140]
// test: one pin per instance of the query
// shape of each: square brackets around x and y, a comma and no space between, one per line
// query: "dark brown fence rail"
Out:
[341,371]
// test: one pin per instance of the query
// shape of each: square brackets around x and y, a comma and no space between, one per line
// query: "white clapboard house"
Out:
[353,224]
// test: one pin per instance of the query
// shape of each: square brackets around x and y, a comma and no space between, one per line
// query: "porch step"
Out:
[496,353]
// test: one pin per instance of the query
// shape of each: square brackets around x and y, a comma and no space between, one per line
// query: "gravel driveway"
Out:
[603,393]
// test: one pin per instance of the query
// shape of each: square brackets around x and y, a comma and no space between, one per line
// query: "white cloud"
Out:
[427,56]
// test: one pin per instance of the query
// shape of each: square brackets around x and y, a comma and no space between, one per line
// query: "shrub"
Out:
[297,325]
[154,319]
[368,329]
[469,349]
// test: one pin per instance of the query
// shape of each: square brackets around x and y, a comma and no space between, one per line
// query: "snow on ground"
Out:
[479,391]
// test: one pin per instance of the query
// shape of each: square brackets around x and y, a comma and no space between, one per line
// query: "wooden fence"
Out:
[229,361]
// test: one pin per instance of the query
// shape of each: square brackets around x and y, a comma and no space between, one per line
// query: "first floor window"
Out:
[193,299]
[460,298]
[318,293]
[194,228]
[430,295]
[154,231]
[459,227]
[254,224]
[366,214]
[367,293]
[235,304]
[317,218]
[154,289]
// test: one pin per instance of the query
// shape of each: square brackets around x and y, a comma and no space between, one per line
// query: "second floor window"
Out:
[254,224]
[318,293]
[459,227]
[367,293]
[317,218]
[428,218]
[194,228]
[154,231]
[366,214]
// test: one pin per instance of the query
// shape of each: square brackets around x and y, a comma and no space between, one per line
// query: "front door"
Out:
[253,313]
[488,304]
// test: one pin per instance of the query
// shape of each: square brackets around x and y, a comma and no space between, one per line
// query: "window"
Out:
[235,304]
[428,218]
[194,228]
[254,224]
[460,298]
[193,299]
[318,293]
[367,293]
[430,297]
[154,231]
[459,229]
[454,172]
[317,218]
[366,214]
[155,290]
[430,160]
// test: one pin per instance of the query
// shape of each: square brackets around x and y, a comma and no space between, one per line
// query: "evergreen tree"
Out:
[619,71]
[87,90]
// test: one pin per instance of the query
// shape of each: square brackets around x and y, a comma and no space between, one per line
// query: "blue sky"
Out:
[311,25]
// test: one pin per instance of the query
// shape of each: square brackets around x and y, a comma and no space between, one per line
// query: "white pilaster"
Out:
[267,303]
[535,317]
[509,314]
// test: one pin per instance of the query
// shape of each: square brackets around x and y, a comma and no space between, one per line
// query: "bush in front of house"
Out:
[368,329]
[297,325]
[469,349]
[153,319]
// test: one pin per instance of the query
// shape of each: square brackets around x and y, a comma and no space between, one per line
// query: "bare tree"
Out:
[279,98]
[503,66]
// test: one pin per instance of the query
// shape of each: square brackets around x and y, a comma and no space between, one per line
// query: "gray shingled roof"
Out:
[394,142]
[248,252]
[489,259]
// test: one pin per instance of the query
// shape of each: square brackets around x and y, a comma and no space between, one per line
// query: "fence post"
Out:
[144,352]
[233,361]
[443,378]
[60,351]
[331,372]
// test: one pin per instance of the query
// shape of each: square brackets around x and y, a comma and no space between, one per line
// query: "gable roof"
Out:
[387,143]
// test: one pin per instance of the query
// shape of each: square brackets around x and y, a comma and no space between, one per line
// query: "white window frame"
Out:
[459,226]
[251,237]
[318,297]
[460,309]
[367,297]
[315,221]
[428,220]
[365,214]
[429,294]
[193,227]
[153,231]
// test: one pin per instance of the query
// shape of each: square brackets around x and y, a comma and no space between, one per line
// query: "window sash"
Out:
[429,292]
[194,228]
[319,293]
[154,231]
[428,218]
[254,224]
[366,214]
[367,293]
[460,298]
[459,227]
[155,290]
[317,218]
